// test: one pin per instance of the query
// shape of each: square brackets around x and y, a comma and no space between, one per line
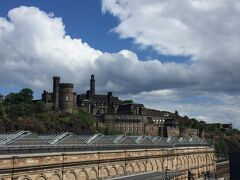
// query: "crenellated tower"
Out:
[55,98]
[66,101]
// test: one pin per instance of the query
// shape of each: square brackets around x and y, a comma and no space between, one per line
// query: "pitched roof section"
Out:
[22,138]
[64,139]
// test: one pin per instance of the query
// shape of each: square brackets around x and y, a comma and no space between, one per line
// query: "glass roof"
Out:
[27,138]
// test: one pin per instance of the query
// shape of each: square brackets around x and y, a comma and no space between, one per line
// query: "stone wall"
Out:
[189,132]
[108,164]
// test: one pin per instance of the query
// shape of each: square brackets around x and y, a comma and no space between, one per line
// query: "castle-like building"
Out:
[63,97]
[66,99]
[110,111]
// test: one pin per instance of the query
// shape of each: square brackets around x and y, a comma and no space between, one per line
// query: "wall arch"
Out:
[136,167]
[159,165]
[165,164]
[41,177]
[155,165]
[162,164]
[185,162]
[55,176]
[170,164]
[83,175]
[71,175]
[92,174]
[129,168]
[104,172]
[141,166]
[149,166]
[25,178]
[180,163]
[120,170]
[113,171]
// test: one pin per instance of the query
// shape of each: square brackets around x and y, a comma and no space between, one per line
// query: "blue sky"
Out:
[167,55]
[85,20]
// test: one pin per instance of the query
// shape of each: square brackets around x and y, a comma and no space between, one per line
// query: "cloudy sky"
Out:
[168,54]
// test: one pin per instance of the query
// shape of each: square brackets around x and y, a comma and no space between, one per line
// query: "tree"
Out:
[129,101]
[27,95]
[39,107]
[20,104]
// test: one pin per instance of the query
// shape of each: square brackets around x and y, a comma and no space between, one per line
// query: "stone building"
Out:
[63,97]
[133,118]
[97,104]
[189,132]
[111,112]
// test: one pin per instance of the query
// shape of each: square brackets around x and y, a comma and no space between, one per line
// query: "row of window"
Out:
[128,117]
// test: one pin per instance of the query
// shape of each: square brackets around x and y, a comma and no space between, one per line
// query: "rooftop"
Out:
[26,141]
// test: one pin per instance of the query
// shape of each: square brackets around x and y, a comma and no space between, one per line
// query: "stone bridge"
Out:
[181,162]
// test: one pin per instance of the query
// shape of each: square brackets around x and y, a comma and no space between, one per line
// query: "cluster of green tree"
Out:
[186,122]
[107,131]
[20,112]
[129,101]
[220,138]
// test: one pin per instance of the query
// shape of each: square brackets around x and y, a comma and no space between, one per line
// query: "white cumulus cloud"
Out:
[34,46]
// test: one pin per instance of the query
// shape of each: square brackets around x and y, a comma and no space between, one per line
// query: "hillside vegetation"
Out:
[20,112]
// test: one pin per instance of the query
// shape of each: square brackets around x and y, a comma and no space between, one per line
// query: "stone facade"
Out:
[62,97]
[171,132]
[199,161]
[132,118]
[97,104]
[189,132]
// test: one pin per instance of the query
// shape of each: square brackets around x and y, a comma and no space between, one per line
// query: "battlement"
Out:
[66,85]
[56,78]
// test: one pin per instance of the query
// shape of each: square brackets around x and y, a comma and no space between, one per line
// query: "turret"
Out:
[92,85]
[109,95]
[56,82]
[66,103]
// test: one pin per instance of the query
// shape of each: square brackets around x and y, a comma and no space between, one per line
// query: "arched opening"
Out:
[82,175]
[55,177]
[129,168]
[149,166]
[141,166]
[92,174]
[41,177]
[120,170]
[155,166]
[104,172]
[71,175]
[136,167]
[113,171]
[25,178]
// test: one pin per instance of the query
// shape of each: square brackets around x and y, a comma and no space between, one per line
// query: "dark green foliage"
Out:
[129,101]
[185,122]
[39,107]
[19,112]
[20,104]
[107,131]
[85,117]
[1,111]
[220,147]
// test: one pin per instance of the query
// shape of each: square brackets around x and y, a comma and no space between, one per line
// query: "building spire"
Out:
[92,85]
